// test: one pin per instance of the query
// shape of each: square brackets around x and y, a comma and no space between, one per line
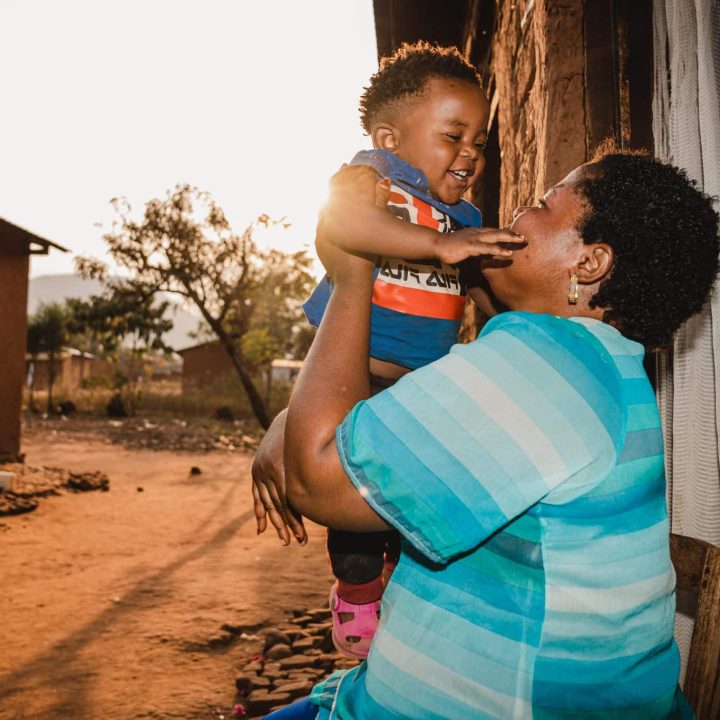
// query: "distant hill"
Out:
[57,288]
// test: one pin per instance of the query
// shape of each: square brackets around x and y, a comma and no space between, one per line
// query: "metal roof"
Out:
[13,235]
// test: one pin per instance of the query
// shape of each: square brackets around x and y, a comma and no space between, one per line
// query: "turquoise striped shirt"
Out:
[525,474]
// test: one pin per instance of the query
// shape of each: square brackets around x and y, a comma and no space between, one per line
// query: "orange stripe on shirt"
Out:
[425,213]
[397,198]
[413,301]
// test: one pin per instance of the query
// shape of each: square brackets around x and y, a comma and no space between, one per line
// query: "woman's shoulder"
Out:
[580,352]
[574,331]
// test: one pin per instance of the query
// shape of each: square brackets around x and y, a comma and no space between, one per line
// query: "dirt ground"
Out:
[113,602]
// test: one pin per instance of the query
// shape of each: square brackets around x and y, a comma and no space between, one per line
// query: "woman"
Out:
[524,471]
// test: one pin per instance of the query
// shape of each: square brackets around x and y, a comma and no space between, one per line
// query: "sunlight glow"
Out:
[255,103]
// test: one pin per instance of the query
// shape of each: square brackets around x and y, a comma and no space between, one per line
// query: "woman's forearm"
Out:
[374,231]
[356,219]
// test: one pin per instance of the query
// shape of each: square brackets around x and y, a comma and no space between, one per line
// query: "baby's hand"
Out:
[454,247]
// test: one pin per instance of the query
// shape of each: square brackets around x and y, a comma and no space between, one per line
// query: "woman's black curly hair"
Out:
[664,232]
[405,74]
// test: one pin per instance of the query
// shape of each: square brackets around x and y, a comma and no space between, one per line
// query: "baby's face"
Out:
[443,134]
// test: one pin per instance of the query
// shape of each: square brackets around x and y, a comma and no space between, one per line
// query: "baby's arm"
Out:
[357,220]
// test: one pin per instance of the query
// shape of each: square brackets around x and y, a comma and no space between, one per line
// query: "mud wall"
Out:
[539,87]
[69,373]
[14,267]
[203,364]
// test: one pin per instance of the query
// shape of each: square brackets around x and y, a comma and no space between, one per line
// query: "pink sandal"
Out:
[352,635]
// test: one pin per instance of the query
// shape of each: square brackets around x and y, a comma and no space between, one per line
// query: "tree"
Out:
[122,321]
[34,348]
[48,332]
[184,245]
[276,320]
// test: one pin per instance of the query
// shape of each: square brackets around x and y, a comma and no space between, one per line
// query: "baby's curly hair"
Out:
[664,232]
[404,75]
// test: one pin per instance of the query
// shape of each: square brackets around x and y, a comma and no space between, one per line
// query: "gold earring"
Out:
[573,291]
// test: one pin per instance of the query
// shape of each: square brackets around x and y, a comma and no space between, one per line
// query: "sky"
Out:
[253,102]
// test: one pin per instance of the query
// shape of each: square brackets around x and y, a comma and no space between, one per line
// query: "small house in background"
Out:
[204,364]
[71,366]
[16,247]
[207,363]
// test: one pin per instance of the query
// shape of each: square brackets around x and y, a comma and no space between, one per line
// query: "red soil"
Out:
[113,602]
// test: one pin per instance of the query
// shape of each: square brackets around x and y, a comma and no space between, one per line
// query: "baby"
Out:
[427,115]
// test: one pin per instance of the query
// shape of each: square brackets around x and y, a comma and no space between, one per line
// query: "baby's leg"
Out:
[357,561]
[392,553]
[356,558]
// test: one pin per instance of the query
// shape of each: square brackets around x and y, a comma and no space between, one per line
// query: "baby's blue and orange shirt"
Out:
[417,305]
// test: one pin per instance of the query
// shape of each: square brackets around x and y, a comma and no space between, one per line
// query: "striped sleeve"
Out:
[456,450]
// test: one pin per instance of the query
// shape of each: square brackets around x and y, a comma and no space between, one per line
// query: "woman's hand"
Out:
[268,488]
[348,187]
[353,184]
[487,243]
[354,217]
[341,266]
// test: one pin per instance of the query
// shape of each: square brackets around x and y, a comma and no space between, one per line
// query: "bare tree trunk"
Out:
[256,401]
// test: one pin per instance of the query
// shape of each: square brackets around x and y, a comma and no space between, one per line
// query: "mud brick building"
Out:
[208,362]
[203,364]
[71,368]
[16,247]
[561,76]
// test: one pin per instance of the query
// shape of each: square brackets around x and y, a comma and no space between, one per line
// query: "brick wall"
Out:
[69,372]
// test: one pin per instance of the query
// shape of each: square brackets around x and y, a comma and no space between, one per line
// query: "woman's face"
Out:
[537,277]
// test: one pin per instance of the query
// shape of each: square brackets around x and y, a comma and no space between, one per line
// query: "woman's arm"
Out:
[333,379]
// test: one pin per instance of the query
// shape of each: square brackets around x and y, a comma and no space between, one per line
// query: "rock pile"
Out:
[86,482]
[296,655]
[30,483]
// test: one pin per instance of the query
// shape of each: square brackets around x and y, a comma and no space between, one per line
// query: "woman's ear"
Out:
[385,137]
[596,262]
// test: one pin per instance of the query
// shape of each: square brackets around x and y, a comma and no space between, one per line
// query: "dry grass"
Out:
[165,397]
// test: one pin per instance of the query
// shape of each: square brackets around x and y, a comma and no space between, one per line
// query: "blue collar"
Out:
[414,181]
